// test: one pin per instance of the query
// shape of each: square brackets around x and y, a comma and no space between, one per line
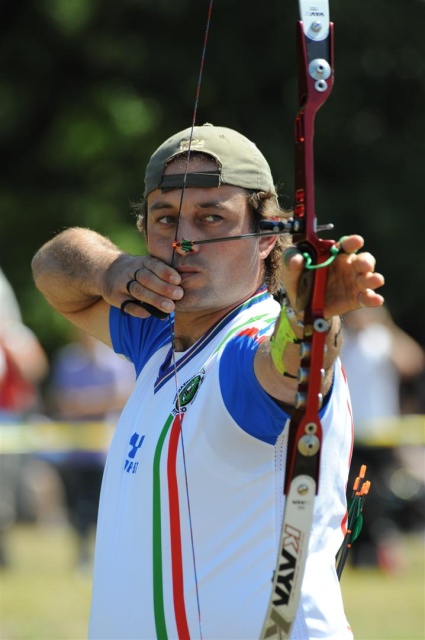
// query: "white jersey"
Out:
[192,504]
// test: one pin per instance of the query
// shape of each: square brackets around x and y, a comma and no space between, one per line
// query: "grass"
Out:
[44,596]
[388,607]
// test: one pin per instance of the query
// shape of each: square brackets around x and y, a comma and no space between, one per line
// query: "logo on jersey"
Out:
[188,392]
[135,443]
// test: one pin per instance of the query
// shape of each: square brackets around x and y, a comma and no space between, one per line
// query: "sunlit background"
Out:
[88,90]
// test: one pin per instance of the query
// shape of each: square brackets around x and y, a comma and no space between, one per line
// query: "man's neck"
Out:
[189,327]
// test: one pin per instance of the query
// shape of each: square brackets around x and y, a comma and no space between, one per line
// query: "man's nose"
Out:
[185,235]
[183,247]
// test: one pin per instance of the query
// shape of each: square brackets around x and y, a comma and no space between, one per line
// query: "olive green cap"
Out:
[240,162]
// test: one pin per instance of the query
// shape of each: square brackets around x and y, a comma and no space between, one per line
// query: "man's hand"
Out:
[81,274]
[144,279]
[351,278]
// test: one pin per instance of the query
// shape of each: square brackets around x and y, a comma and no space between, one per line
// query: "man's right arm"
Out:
[81,274]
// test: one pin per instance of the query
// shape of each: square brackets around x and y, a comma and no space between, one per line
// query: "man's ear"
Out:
[266,245]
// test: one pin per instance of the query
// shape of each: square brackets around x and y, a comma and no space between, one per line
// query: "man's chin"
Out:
[193,301]
[189,306]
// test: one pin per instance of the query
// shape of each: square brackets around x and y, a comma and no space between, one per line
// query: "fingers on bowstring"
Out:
[150,294]
[148,309]
[158,268]
[147,304]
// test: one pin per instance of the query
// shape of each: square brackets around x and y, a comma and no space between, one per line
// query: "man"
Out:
[192,496]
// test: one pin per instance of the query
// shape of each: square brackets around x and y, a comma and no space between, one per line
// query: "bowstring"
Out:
[171,320]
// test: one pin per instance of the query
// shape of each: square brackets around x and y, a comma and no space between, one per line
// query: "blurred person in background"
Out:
[378,356]
[23,366]
[88,382]
[23,362]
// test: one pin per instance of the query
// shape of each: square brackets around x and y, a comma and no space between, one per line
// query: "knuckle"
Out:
[140,274]
[136,289]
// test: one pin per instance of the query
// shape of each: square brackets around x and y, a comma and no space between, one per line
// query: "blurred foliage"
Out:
[89,88]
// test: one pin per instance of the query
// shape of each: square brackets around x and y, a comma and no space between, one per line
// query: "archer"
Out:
[186,546]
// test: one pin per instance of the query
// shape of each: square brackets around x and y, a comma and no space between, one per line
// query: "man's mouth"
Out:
[185,269]
[186,272]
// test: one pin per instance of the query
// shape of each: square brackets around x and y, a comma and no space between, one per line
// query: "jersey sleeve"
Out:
[254,410]
[135,338]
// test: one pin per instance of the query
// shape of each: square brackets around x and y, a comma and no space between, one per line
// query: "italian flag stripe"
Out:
[158,590]
[172,426]
[175,531]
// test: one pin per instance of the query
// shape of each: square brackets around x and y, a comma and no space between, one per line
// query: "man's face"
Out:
[217,275]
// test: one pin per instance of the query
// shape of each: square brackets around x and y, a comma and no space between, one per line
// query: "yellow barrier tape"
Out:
[56,437]
[393,432]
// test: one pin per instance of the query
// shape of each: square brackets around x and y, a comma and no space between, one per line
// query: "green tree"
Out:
[88,89]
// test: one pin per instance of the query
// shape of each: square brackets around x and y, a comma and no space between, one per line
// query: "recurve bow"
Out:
[315,68]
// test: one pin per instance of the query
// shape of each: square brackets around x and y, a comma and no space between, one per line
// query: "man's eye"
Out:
[166,220]
[212,217]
